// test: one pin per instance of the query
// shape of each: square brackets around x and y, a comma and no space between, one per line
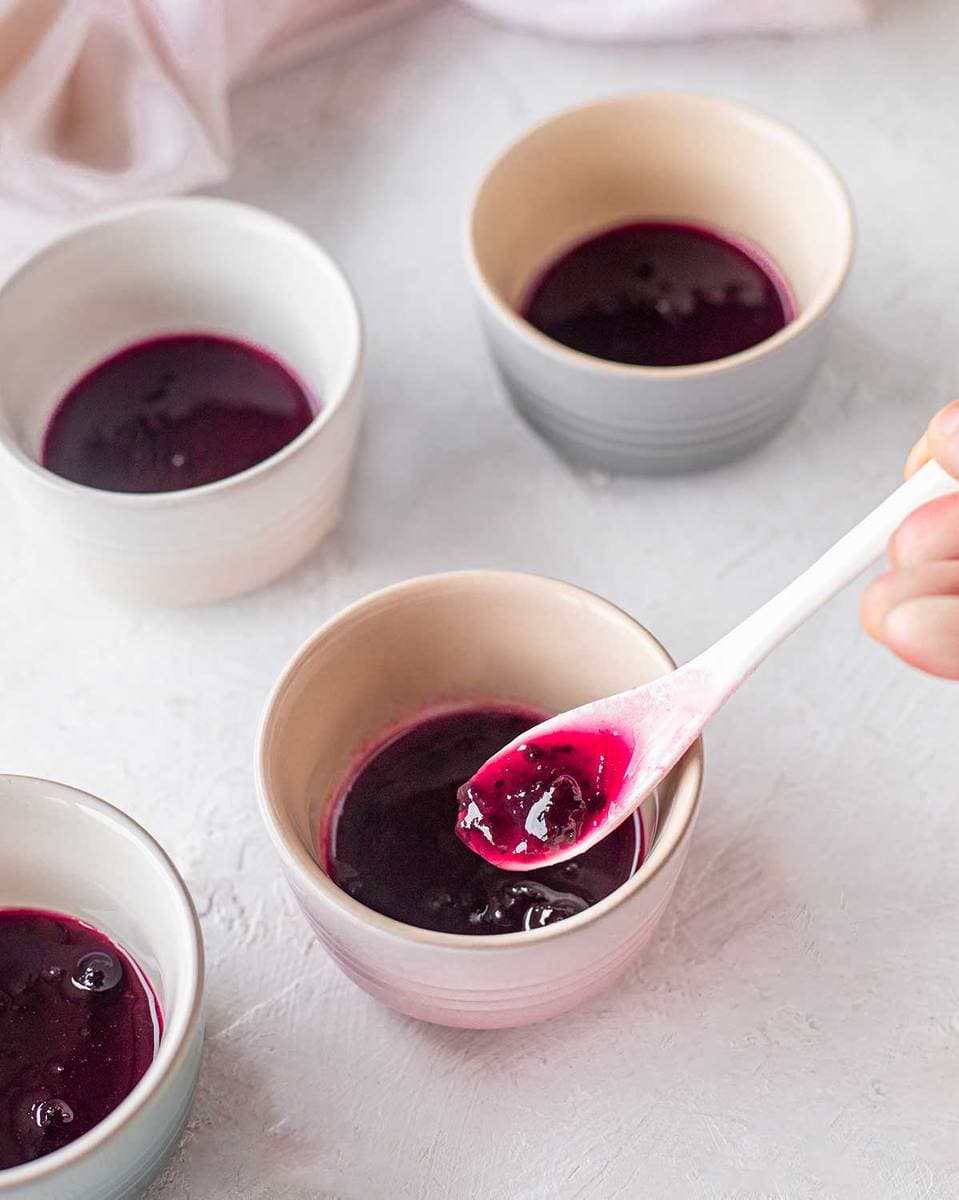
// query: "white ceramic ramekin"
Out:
[65,851]
[666,156]
[174,266]
[438,641]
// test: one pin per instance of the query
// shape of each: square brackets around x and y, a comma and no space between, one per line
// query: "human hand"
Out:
[914,608]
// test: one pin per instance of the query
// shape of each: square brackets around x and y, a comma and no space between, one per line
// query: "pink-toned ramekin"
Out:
[438,641]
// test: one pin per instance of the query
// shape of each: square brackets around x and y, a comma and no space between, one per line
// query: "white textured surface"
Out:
[793,1032]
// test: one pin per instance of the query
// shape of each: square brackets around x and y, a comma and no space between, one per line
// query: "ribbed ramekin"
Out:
[194,265]
[440,641]
[659,156]
[65,851]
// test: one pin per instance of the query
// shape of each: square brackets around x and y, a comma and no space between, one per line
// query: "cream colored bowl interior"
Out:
[442,640]
[688,158]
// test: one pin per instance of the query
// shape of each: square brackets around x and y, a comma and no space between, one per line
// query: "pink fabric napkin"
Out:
[104,101]
[113,100]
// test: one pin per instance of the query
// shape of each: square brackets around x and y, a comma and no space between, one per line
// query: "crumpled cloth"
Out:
[105,101]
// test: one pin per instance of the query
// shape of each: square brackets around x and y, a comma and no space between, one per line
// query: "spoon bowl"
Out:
[571,780]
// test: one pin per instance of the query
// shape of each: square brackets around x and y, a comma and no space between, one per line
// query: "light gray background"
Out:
[793,1032]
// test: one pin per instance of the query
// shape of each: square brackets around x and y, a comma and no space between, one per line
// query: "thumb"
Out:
[943,438]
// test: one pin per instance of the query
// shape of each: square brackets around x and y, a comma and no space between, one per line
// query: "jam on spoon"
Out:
[542,795]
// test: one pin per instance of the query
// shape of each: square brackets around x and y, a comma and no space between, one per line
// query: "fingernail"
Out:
[918,456]
[945,424]
[898,628]
[924,632]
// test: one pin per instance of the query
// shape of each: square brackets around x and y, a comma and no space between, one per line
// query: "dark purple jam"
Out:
[175,412]
[78,1028]
[657,294]
[542,795]
[393,843]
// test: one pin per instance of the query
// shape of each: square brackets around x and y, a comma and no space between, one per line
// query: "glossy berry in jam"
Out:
[393,843]
[659,294]
[175,412]
[544,794]
[78,1028]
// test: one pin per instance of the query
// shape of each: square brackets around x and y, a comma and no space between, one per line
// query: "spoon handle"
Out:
[737,654]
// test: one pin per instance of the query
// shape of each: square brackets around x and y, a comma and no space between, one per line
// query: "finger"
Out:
[919,455]
[895,588]
[925,633]
[930,534]
[943,438]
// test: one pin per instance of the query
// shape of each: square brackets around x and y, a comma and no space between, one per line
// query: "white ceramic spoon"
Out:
[637,737]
